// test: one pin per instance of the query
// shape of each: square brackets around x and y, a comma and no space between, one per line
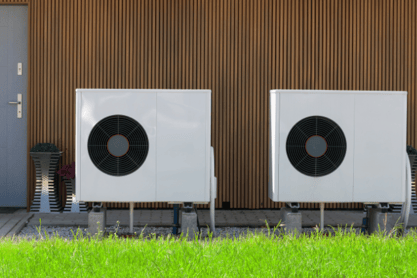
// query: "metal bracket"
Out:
[293,206]
[366,207]
[384,207]
[188,207]
[97,206]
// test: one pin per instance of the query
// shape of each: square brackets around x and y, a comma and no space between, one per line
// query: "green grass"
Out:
[345,254]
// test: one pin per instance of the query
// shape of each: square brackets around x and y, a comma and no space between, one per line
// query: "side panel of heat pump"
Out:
[273,145]
[183,146]
[380,147]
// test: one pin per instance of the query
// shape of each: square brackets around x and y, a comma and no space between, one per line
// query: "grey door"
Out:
[13,130]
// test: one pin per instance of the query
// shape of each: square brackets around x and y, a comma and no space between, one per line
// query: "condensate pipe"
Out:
[321,216]
[131,218]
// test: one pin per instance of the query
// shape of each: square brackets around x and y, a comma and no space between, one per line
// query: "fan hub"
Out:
[316,146]
[118,145]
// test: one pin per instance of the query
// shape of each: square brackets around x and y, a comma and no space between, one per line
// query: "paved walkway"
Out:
[231,218]
[13,223]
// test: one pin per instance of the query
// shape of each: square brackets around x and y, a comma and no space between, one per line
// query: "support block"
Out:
[97,221]
[382,221]
[291,220]
[189,223]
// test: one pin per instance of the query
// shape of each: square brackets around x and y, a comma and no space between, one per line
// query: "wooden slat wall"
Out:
[238,48]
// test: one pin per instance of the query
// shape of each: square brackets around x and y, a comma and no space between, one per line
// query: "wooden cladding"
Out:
[240,49]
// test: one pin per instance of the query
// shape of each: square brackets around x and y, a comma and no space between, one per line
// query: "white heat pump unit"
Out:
[338,146]
[144,146]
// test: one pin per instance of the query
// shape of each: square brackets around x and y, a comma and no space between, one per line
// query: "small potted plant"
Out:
[71,205]
[46,157]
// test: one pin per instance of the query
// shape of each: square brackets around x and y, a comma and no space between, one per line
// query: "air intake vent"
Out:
[118,145]
[316,146]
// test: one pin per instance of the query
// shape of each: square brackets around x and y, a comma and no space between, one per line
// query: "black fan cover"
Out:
[316,146]
[118,145]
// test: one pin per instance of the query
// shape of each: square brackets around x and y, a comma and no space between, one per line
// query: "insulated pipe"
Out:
[131,217]
[213,192]
[321,216]
[405,210]
[175,228]
[213,206]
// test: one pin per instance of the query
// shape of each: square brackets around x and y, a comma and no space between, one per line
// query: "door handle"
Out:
[19,105]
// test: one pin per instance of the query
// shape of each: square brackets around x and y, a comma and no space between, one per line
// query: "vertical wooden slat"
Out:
[409,59]
[262,89]
[96,10]
[233,74]
[253,104]
[89,46]
[43,76]
[343,13]
[412,70]
[52,65]
[70,78]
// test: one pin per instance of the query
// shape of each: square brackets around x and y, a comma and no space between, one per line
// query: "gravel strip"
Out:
[31,232]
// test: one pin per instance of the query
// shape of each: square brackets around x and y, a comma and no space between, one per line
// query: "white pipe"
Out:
[321,216]
[131,218]
[213,192]
[405,210]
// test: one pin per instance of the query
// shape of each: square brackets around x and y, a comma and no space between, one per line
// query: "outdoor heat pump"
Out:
[135,145]
[338,146]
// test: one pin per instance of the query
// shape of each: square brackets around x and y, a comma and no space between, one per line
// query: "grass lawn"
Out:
[345,254]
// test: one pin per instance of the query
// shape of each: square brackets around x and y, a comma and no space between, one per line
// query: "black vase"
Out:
[46,192]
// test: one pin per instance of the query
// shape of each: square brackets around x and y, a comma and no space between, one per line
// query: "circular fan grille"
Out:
[316,146]
[118,145]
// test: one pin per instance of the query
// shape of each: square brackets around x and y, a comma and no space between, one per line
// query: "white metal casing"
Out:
[374,124]
[178,126]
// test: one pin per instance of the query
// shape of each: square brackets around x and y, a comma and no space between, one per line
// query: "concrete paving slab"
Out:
[10,224]
[4,218]
[21,224]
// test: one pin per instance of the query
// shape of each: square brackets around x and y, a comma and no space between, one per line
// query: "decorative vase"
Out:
[46,192]
[72,205]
